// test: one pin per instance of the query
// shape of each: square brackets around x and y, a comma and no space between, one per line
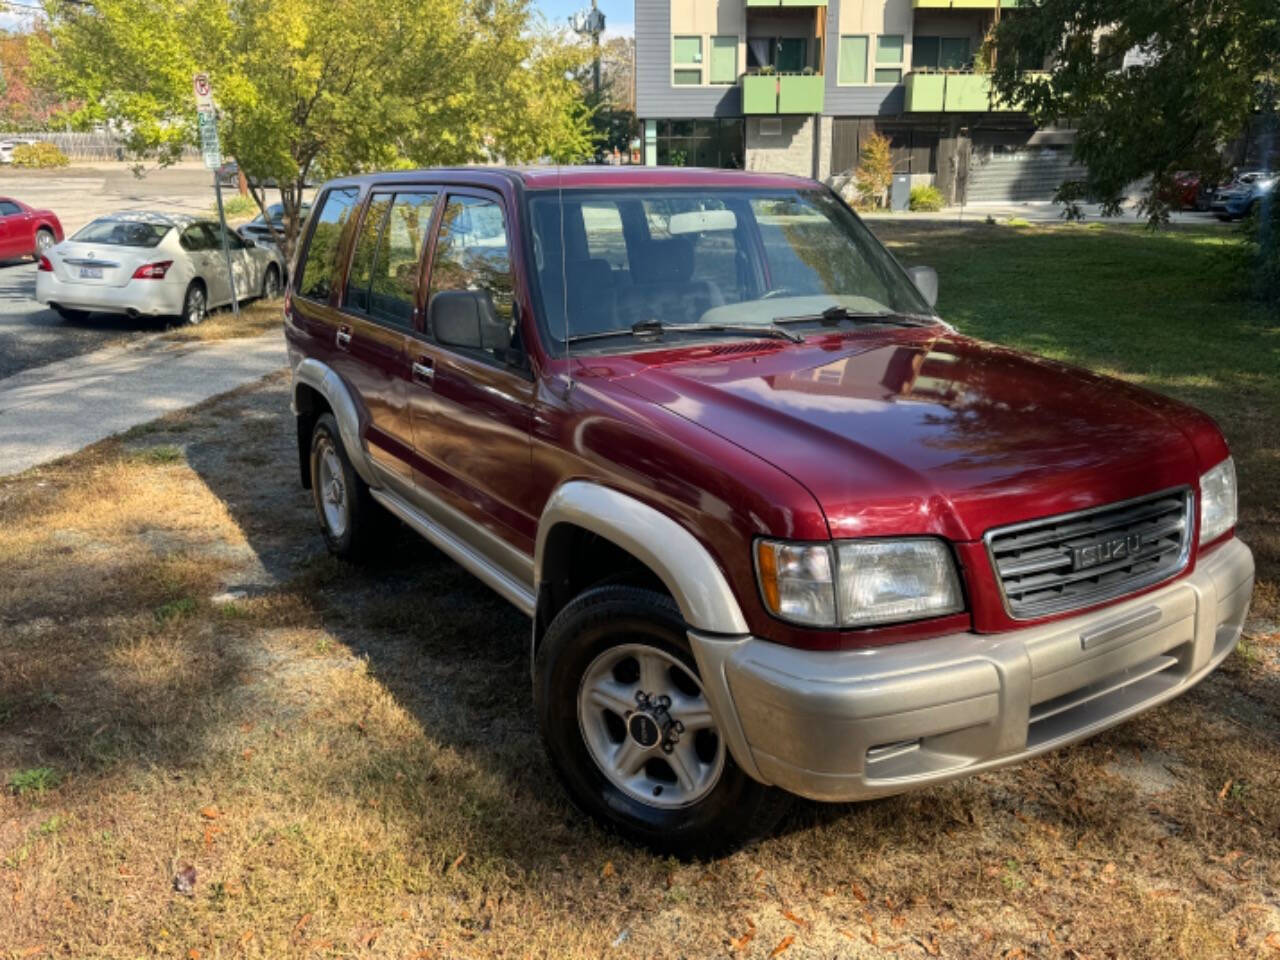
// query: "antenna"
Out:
[564,287]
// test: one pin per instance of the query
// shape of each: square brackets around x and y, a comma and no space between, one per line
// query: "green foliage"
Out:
[309,89]
[926,198]
[875,170]
[1211,64]
[235,205]
[40,155]
[1261,255]
[34,780]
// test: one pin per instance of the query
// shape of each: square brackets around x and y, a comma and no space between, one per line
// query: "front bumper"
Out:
[856,724]
[152,298]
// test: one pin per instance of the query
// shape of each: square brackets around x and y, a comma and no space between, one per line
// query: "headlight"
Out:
[858,583]
[1218,500]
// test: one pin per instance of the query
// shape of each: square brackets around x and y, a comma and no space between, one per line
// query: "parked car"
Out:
[259,230]
[26,231]
[1189,192]
[777,525]
[143,263]
[7,147]
[1237,199]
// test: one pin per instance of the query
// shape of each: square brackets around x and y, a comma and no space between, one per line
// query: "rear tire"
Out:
[616,648]
[195,305]
[348,515]
[44,240]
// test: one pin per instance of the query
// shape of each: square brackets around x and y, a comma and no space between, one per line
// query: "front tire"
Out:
[271,283]
[630,733]
[344,508]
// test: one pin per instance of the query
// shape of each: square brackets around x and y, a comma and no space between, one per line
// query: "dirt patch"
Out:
[346,759]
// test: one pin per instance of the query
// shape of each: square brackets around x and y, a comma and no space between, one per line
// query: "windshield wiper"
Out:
[834,314]
[655,328]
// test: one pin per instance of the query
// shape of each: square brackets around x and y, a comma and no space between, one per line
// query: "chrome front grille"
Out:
[1074,560]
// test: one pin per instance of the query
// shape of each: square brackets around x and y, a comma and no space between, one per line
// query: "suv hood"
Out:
[912,432]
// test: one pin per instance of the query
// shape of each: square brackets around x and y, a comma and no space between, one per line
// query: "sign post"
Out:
[211,150]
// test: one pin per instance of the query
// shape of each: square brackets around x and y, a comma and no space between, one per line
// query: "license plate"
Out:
[90,273]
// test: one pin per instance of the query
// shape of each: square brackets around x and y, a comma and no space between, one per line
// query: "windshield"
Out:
[123,233]
[740,257]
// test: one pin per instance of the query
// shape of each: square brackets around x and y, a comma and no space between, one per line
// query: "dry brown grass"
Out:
[347,759]
[256,317]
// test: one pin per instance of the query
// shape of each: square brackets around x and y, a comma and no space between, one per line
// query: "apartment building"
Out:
[797,85]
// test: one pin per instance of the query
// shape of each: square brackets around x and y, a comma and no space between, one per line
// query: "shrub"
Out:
[875,170]
[39,155]
[926,198]
[236,205]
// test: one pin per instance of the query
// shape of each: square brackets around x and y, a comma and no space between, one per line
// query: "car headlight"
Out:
[1217,500]
[858,583]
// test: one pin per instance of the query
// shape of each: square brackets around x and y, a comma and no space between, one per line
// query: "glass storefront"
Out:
[716,142]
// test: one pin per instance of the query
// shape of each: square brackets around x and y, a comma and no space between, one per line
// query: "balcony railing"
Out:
[961,4]
[782,93]
[952,93]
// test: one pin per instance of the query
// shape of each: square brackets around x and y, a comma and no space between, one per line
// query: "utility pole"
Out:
[591,23]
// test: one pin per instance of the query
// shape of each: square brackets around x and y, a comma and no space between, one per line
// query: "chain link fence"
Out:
[87,146]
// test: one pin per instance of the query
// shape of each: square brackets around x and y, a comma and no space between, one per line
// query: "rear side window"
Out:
[357,296]
[194,238]
[123,233]
[384,269]
[321,266]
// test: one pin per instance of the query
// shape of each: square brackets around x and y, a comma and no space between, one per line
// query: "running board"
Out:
[496,578]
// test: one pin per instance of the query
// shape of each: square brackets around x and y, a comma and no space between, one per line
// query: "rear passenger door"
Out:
[214,266]
[378,312]
[471,405]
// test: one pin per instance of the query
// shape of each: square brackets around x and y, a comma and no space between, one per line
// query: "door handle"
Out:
[343,338]
[424,370]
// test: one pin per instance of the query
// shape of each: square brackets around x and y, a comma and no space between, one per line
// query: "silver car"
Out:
[141,263]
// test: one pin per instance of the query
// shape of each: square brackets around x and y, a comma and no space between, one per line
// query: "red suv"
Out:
[779,528]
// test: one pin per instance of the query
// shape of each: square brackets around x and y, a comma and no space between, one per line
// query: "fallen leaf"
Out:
[248,753]
[858,893]
[193,954]
[794,919]
[210,832]
[783,944]
[740,943]
[210,812]
[457,863]
[929,946]
[244,939]
[297,927]
[899,922]
[607,870]
[32,951]
[1225,787]
[184,881]
[1273,941]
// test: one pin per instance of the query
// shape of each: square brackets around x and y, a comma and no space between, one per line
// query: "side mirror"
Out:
[926,281]
[248,242]
[467,319]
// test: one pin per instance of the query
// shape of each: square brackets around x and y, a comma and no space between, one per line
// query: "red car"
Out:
[26,231]
[777,525]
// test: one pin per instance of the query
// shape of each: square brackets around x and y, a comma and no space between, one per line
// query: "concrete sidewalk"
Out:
[48,412]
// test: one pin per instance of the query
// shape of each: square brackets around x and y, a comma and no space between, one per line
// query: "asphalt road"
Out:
[31,335]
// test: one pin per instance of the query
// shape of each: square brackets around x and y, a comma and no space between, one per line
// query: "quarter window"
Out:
[472,253]
[321,267]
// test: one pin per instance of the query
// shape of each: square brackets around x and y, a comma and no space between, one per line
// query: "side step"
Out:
[507,586]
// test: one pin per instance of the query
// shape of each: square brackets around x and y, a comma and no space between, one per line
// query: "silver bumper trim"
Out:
[856,724]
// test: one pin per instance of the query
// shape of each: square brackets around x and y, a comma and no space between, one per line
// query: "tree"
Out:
[875,168]
[24,104]
[308,89]
[1198,70]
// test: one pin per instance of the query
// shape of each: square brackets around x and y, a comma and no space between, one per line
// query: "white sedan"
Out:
[153,264]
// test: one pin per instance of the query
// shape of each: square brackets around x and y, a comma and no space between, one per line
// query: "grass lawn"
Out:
[217,742]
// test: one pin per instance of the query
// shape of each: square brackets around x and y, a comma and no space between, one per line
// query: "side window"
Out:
[472,255]
[8,208]
[357,293]
[193,239]
[321,266]
[395,272]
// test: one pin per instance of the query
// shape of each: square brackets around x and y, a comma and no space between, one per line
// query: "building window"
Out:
[889,58]
[853,60]
[716,142]
[686,58]
[724,60]
[941,53]
[784,54]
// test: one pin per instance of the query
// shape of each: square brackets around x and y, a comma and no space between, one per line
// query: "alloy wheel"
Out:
[333,490]
[197,308]
[648,726]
